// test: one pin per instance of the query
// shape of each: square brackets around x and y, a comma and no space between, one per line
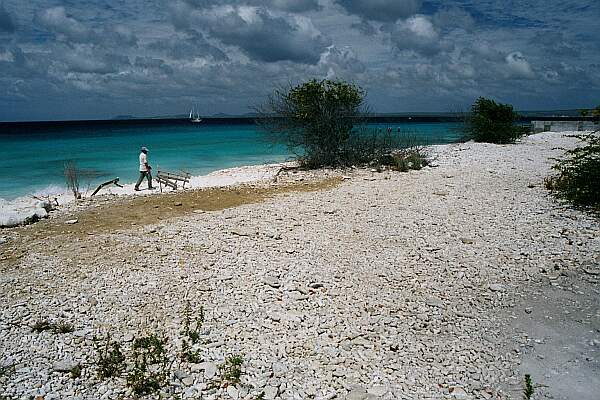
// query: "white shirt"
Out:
[143,161]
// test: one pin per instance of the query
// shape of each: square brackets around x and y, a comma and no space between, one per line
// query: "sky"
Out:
[92,59]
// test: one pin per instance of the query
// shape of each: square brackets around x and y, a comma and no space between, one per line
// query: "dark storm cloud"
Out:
[262,35]
[188,46]
[7,24]
[57,21]
[557,43]
[88,62]
[381,10]
[294,6]
[98,58]
[453,17]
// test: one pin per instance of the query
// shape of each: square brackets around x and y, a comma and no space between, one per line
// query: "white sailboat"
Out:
[195,117]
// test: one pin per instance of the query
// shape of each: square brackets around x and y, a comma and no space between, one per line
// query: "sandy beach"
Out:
[449,282]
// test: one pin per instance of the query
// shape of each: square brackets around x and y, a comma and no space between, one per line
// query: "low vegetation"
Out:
[594,112]
[56,327]
[231,370]
[191,335]
[413,158]
[111,360]
[7,370]
[578,178]
[72,175]
[323,123]
[492,122]
[151,365]
[527,387]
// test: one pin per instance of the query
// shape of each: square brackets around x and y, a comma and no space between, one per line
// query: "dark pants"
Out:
[144,174]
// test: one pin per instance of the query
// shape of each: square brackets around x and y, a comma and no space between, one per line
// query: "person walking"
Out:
[145,169]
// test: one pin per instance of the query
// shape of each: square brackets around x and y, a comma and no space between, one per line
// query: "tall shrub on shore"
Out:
[594,112]
[578,179]
[314,120]
[492,122]
[322,123]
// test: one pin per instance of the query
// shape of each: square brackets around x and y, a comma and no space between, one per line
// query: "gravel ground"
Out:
[390,285]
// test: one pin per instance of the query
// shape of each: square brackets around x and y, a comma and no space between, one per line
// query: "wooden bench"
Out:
[172,180]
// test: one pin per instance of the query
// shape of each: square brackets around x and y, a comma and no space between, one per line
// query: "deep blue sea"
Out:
[32,160]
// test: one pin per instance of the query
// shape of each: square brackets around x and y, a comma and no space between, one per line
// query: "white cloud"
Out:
[518,66]
[417,34]
[260,33]
[57,21]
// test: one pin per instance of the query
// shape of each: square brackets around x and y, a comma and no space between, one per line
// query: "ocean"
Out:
[32,157]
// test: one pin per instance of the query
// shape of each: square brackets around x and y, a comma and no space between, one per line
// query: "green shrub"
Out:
[111,361]
[413,158]
[151,365]
[316,121]
[492,122]
[231,370]
[594,112]
[578,179]
[191,334]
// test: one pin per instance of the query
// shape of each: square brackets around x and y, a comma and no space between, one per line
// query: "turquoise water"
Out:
[33,161]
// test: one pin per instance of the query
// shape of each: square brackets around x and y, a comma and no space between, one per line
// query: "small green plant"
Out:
[151,364]
[409,159]
[492,122]
[75,372]
[231,370]
[111,361]
[260,396]
[7,370]
[191,332]
[41,326]
[578,179]
[527,388]
[63,327]
[45,325]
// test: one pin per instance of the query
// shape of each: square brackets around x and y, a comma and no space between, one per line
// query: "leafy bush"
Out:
[578,179]
[231,370]
[323,123]
[492,122]
[151,365]
[594,112]
[111,361]
[316,121]
[413,158]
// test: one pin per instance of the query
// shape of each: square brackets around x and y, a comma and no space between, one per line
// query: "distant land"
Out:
[528,113]
[249,118]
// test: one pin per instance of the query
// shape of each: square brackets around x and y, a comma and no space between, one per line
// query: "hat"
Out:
[144,149]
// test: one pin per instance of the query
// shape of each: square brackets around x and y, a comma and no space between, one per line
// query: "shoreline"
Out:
[19,211]
[14,212]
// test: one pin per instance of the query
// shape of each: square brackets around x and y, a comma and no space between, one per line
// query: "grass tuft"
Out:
[527,388]
[191,334]
[231,370]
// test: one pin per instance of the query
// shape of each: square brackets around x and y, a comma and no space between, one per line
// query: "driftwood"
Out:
[172,179]
[111,182]
[284,168]
[53,201]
